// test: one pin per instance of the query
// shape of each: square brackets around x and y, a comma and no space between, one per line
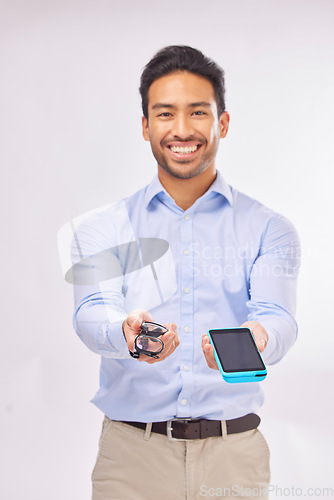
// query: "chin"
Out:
[179,174]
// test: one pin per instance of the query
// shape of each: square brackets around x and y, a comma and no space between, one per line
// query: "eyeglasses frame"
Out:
[138,351]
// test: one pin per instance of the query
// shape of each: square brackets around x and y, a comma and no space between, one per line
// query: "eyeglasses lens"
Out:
[153,329]
[147,343]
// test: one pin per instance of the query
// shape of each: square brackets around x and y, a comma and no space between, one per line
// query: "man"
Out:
[192,253]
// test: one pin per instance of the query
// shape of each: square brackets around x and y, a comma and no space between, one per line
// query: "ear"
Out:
[224,121]
[146,133]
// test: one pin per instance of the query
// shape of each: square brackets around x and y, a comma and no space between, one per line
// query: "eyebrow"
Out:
[160,105]
[200,104]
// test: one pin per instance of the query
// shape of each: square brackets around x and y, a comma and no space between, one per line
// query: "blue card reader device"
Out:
[237,355]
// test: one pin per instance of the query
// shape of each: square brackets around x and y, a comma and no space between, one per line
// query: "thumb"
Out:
[135,323]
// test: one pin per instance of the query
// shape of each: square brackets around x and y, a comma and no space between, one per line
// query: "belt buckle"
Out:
[170,428]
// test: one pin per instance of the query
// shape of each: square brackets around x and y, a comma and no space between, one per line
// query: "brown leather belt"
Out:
[200,428]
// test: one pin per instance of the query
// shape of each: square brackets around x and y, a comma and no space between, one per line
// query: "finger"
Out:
[150,360]
[147,359]
[261,338]
[136,324]
[170,345]
[132,327]
[261,344]
[176,339]
[139,315]
[171,342]
[171,335]
[205,339]
[259,333]
[172,329]
[210,357]
[169,348]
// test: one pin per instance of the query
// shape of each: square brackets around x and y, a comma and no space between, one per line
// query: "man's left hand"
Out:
[259,333]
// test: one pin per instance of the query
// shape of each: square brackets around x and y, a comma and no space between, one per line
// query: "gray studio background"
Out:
[70,128]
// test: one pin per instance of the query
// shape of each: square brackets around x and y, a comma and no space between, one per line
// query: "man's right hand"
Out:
[131,328]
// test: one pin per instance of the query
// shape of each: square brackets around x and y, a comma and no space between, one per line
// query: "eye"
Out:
[165,114]
[199,113]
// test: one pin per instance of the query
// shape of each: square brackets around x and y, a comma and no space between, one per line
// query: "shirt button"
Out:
[183,402]
[186,252]
[186,329]
[186,368]
[186,217]
[186,290]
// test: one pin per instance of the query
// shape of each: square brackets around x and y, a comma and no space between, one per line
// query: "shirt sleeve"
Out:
[97,276]
[273,283]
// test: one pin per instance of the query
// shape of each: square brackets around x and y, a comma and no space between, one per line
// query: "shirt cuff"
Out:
[115,336]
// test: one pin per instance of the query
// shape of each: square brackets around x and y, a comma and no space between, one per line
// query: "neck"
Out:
[186,191]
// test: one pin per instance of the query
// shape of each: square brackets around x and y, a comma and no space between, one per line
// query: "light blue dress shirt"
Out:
[225,260]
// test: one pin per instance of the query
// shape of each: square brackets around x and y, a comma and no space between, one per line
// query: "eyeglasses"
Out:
[147,342]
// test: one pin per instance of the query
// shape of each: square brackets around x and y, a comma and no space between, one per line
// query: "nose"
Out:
[182,127]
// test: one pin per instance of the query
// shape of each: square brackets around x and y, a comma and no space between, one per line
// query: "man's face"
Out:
[183,125]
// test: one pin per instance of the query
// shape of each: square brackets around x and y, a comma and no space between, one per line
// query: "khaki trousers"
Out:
[134,464]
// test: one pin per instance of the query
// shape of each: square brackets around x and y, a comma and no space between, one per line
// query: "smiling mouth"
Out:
[184,150]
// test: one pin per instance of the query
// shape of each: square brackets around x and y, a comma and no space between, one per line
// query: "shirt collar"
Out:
[219,186]
[153,189]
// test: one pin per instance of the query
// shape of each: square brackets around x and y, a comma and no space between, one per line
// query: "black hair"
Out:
[176,58]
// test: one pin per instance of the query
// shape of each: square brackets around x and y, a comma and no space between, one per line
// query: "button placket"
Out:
[187,313]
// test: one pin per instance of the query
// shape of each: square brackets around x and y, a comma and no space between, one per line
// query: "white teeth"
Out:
[184,151]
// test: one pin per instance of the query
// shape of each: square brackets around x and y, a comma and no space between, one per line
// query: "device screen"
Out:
[237,350]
